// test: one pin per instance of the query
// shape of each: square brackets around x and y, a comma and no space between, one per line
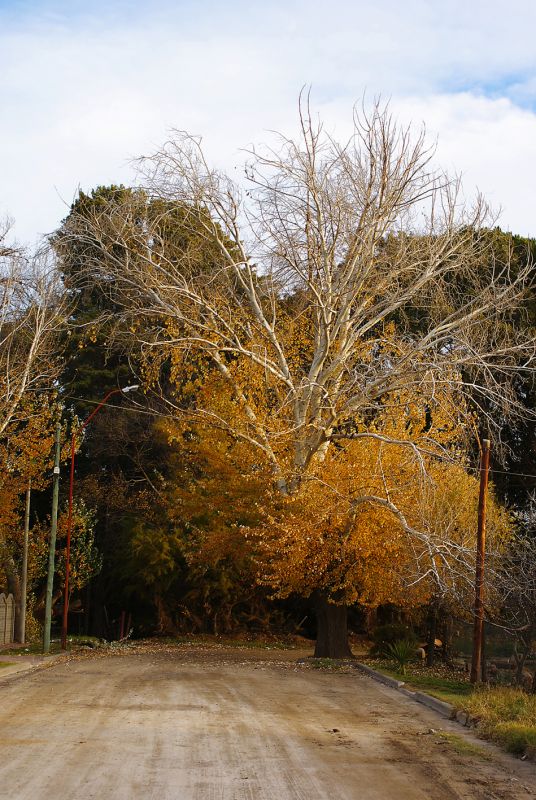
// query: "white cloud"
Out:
[492,143]
[81,93]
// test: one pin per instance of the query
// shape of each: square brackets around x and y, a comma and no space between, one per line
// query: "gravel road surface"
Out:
[229,724]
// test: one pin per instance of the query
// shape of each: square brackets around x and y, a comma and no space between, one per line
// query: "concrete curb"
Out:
[440,707]
[445,709]
[16,669]
[379,676]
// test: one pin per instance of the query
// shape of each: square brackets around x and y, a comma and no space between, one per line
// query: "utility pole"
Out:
[52,546]
[476,661]
[65,619]
[24,576]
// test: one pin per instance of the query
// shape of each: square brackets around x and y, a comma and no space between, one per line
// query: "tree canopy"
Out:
[319,350]
[347,309]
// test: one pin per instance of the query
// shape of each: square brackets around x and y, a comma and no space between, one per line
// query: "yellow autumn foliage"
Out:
[336,536]
[383,512]
[386,517]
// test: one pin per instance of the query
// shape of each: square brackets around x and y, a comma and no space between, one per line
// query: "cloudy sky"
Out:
[84,87]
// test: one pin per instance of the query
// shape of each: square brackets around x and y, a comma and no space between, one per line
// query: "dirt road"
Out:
[216,724]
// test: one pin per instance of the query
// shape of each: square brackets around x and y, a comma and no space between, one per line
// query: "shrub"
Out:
[385,635]
[401,652]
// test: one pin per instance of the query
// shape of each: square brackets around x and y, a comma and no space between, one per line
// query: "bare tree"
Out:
[32,316]
[32,312]
[516,585]
[362,249]
[364,234]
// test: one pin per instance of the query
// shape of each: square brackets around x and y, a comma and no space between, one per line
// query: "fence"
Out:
[7,618]
[498,644]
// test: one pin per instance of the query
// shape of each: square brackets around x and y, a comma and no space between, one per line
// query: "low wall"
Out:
[7,618]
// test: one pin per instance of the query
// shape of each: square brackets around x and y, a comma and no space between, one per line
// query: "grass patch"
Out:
[515,738]
[450,690]
[326,663]
[463,747]
[257,643]
[5,664]
[202,640]
[33,649]
[440,682]
[507,716]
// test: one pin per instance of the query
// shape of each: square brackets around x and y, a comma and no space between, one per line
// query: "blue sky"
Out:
[85,87]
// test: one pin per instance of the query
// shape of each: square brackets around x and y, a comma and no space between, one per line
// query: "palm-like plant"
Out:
[402,652]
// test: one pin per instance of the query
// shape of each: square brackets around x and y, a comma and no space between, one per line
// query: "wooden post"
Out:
[52,544]
[476,661]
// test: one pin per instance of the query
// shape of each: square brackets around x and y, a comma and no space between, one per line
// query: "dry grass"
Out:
[463,746]
[440,681]
[506,715]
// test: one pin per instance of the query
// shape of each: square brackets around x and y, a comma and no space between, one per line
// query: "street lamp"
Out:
[70,517]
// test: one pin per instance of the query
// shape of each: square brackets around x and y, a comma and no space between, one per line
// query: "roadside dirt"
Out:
[216,723]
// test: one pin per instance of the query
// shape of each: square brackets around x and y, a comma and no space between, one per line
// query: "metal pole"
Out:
[68,550]
[476,661]
[52,546]
[24,576]
[70,518]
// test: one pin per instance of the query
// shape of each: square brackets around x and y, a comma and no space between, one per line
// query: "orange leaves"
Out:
[329,537]
[372,510]
[25,455]
[375,523]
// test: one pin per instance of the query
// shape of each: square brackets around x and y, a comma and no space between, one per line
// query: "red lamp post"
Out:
[70,516]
